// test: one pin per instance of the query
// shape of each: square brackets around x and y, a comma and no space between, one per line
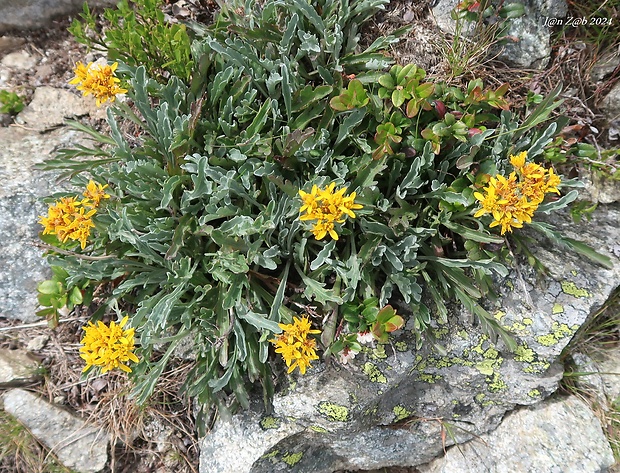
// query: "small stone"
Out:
[50,107]
[76,444]
[38,343]
[610,105]
[19,60]
[16,368]
[604,66]
[9,43]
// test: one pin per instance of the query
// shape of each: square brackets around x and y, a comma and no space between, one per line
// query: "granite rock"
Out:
[76,444]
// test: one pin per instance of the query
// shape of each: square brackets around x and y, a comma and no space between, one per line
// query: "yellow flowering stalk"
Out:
[98,80]
[71,219]
[108,346]
[295,346]
[327,208]
[512,201]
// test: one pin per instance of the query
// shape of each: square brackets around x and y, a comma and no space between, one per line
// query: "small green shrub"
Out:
[10,102]
[205,237]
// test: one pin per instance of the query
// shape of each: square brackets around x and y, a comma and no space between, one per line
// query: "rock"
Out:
[19,60]
[22,187]
[38,343]
[604,66]
[23,14]
[76,444]
[5,75]
[558,436]
[378,410]
[531,48]
[16,368]
[610,105]
[609,371]
[9,43]
[600,187]
[50,107]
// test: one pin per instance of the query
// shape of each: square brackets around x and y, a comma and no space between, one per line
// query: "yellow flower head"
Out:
[98,80]
[295,346]
[327,207]
[512,201]
[94,193]
[108,346]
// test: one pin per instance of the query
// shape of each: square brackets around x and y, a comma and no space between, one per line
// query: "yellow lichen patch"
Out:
[400,413]
[485,367]
[440,332]
[559,331]
[333,411]
[496,383]
[271,454]
[318,428]
[463,334]
[291,459]
[379,353]
[570,288]
[557,309]
[524,354]
[374,373]
[270,422]
[499,315]
[534,393]
[537,367]
[491,354]
[401,346]
[429,378]
[480,397]
[527,322]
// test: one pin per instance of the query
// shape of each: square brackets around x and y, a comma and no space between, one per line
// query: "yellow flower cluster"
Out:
[70,218]
[98,80]
[327,207]
[295,346]
[108,346]
[513,200]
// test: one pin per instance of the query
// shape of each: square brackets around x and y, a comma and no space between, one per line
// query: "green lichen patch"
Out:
[534,393]
[480,397]
[440,333]
[527,321]
[318,429]
[557,309]
[333,411]
[270,422]
[401,346]
[485,367]
[524,354]
[463,334]
[570,288]
[559,331]
[499,315]
[400,413]
[495,383]
[271,454]
[374,373]
[379,353]
[491,354]
[429,378]
[291,459]
[537,367]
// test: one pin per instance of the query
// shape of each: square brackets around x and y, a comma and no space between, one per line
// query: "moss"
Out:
[401,346]
[534,393]
[374,373]
[524,354]
[570,288]
[557,309]
[291,459]
[270,422]
[401,413]
[333,412]
[318,428]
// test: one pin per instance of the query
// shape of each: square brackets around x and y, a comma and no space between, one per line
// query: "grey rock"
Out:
[16,368]
[605,66]
[601,188]
[381,409]
[38,343]
[20,60]
[22,187]
[551,437]
[23,14]
[76,444]
[609,371]
[531,47]
[610,105]
[50,107]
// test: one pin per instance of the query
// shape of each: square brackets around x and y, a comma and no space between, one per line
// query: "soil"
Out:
[161,436]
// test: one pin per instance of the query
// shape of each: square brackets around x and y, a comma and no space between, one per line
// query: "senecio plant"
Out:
[296,195]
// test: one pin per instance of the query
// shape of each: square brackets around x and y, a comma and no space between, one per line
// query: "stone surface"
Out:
[22,186]
[16,368]
[21,14]
[551,437]
[610,105]
[601,188]
[531,47]
[9,43]
[609,372]
[21,60]
[76,444]
[38,343]
[378,410]
[50,107]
